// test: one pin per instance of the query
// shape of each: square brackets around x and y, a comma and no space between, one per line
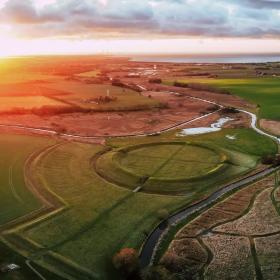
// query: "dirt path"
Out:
[28,263]
[169,128]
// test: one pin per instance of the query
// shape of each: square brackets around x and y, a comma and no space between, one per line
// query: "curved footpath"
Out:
[77,136]
[169,128]
[254,126]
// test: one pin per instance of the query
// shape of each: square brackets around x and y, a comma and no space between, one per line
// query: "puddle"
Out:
[231,137]
[217,126]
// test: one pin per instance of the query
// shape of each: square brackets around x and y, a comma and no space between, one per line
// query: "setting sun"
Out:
[9,43]
[139,140]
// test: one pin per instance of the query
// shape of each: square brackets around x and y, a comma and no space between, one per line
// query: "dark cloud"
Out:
[268,4]
[226,18]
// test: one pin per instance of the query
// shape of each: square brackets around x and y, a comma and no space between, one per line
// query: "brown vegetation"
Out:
[232,258]
[46,110]
[155,81]
[126,261]
[271,126]
[261,219]
[186,252]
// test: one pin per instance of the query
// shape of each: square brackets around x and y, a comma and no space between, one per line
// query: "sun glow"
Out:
[7,41]
[12,46]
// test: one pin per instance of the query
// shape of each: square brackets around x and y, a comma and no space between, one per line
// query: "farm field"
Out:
[7,78]
[261,91]
[116,163]
[27,102]
[86,95]
[96,211]
[16,199]
[104,123]
[103,216]
[235,238]
[28,89]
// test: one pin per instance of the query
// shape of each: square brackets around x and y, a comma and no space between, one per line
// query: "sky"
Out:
[139,26]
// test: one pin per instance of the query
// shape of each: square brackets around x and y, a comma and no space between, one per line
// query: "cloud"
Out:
[101,18]
[268,4]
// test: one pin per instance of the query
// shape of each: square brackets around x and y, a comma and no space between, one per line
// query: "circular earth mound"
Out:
[158,167]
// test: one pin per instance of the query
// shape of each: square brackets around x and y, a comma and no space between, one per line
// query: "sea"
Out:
[231,58]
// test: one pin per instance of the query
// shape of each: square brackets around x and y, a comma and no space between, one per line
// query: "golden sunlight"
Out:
[7,43]
[13,46]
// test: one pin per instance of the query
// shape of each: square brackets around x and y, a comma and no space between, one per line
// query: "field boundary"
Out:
[12,232]
[152,242]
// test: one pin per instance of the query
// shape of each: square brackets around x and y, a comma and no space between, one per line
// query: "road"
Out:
[76,136]
[153,241]
[40,276]
[172,127]
[148,249]
[254,121]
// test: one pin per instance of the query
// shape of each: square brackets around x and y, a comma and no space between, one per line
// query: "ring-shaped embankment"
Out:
[155,166]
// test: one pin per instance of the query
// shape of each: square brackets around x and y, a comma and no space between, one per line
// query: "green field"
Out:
[165,167]
[83,95]
[99,217]
[169,161]
[16,199]
[192,170]
[98,222]
[262,91]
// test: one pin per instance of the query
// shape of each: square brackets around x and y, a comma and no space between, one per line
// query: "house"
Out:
[9,267]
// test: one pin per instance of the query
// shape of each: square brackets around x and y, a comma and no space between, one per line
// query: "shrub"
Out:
[179,84]
[155,81]
[117,82]
[172,262]
[276,160]
[271,160]
[229,110]
[267,160]
[46,110]
[126,261]
[178,266]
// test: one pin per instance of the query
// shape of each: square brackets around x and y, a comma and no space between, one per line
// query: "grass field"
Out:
[101,217]
[21,77]
[83,95]
[27,102]
[262,91]
[28,89]
[162,167]
[241,155]
[16,199]
[170,161]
